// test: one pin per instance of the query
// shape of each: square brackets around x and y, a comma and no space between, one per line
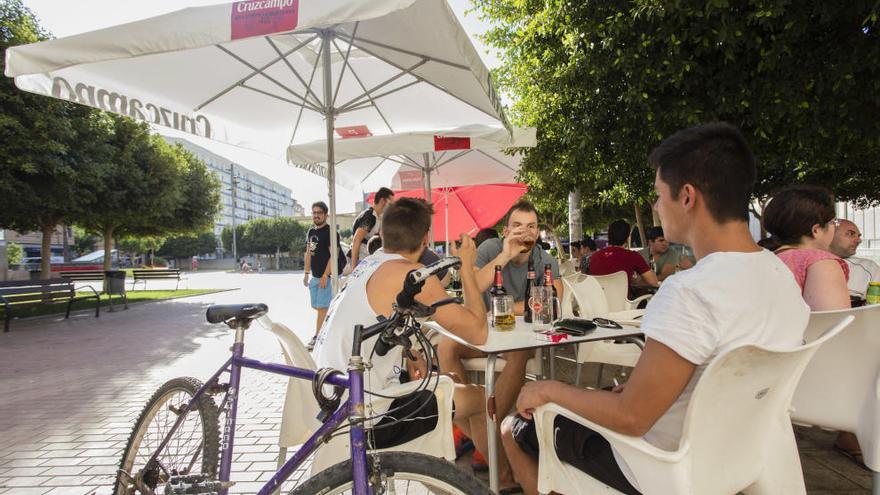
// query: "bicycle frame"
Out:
[352,409]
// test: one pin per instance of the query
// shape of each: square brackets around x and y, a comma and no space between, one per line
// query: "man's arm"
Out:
[356,243]
[666,270]
[656,382]
[511,247]
[308,265]
[327,269]
[650,278]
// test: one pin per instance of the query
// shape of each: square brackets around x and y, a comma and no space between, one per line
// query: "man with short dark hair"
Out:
[368,224]
[588,247]
[663,260]
[615,258]
[317,263]
[862,271]
[371,292]
[737,294]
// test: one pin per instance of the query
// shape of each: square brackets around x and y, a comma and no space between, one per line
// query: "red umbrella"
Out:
[468,208]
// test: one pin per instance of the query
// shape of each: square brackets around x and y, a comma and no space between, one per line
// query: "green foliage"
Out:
[266,236]
[14,254]
[240,242]
[605,82]
[83,241]
[189,245]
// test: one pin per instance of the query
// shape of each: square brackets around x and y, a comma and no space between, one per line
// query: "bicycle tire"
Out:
[183,389]
[436,476]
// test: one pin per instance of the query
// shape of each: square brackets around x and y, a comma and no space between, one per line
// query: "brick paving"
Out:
[70,390]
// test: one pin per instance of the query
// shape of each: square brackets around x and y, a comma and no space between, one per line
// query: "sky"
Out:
[67,17]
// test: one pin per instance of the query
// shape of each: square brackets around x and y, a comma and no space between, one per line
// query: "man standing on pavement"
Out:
[737,294]
[368,224]
[616,258]
[862,271]
[317,263]
[663,261]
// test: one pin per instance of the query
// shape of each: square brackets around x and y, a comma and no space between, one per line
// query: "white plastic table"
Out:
[523,337]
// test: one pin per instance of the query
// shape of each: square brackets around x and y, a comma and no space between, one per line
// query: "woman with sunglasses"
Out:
[802,224]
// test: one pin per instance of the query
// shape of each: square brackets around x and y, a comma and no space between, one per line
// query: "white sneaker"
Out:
[311,344]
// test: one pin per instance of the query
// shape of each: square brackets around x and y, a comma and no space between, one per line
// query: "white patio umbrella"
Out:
[264,74]
[464,156]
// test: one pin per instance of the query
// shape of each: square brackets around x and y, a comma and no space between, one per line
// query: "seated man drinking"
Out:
[737,294]
[370,292]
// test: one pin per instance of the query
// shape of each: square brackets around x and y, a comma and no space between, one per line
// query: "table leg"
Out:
[491,437]
[552,363]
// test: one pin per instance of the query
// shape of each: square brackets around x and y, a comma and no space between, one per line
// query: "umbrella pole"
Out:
[427,174]
[446,217]
[330,118]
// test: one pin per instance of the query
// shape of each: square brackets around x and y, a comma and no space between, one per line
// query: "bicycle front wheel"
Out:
[193,449]
[403,473]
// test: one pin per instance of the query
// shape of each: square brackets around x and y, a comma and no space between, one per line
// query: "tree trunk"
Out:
[655,217]
[278,258]
[46,252]
[108,249]
[65,243]
[640,223]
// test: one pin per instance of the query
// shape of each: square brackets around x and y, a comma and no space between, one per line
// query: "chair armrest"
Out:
[630,448]
[634,304]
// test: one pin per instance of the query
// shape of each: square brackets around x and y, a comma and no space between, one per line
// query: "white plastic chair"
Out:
[592,302]
[566,268]
[840,388]
[737,435]
[616,287]
[299,419]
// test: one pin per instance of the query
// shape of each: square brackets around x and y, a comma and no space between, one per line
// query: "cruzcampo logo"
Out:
[261,17]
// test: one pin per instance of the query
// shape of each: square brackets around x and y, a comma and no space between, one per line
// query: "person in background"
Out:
[588,247]
[615,258]
[801,222]
[368,224]
[574,250]
[862,271]
[484,235]
[317,264]
[194,264]
[663,261]
[738,294]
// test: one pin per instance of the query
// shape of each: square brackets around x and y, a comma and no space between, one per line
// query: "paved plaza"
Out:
[70,390]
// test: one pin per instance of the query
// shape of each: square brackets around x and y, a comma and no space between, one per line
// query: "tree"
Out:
[46,146]
[14,254]
[605,81]
[241,244]
[83,241]
[188,245]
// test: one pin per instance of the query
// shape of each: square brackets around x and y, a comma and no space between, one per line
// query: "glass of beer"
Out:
[503,318]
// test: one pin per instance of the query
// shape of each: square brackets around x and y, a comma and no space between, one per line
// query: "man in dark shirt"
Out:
[317,263]
[616,258]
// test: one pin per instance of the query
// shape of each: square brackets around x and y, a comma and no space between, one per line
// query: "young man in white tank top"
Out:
[370,292]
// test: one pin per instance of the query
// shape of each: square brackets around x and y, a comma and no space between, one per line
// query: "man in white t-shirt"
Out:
[862,271]
[370,292]
[736,294]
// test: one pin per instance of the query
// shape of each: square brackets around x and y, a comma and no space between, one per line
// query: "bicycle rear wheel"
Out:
[402,473]
[193,449]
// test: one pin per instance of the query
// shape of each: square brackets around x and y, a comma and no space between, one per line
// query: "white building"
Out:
[254,196]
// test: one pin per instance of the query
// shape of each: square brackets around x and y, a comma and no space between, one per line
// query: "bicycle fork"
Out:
[231,409]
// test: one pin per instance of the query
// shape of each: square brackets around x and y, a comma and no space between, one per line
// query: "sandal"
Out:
[854,455]
[511,490]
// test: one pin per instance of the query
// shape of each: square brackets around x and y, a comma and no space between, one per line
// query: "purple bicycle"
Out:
[176,446]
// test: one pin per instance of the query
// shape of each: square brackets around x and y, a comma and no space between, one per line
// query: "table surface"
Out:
[523,336]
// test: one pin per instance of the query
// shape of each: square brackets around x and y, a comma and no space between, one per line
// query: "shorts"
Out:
[386,433]
[320,297]
[578,446]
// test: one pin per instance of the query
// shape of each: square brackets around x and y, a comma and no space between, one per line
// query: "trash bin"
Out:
[115,281]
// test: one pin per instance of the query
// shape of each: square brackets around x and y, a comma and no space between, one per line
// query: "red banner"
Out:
[444,143]
[411,179]
[261,17]
[353,131]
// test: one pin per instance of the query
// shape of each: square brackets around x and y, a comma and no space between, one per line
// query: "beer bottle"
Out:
[497,288]
[548,282]
[530,282]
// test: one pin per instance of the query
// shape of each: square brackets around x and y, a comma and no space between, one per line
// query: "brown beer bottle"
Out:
[548,282]
[530,282]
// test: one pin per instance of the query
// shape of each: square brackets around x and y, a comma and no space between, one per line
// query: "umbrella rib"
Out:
[438,164]
[316,100]
[414,54]
[372,102]
[270,78]
[367,93]
[499,162]
[370,52]
[299,116]
[344,63]
[364,89]
[252,74]
[374,169]
[272,95]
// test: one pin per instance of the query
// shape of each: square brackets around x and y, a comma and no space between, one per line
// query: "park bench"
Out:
[112,289]
[160,274]
[23,293]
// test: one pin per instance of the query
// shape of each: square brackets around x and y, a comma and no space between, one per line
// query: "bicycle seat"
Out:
[220,313]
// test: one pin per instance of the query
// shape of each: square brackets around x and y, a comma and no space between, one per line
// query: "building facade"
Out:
[245,195]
